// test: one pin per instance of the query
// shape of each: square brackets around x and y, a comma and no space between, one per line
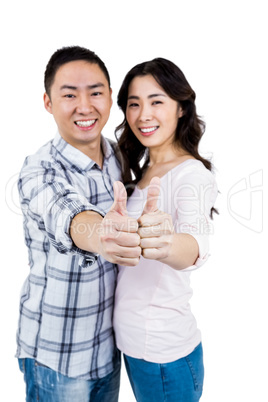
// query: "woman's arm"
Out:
[160,242]
[182,243]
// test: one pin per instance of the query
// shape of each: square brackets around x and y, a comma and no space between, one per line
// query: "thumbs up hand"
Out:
[152,196]
[120,199]
[156,228]
[119,240]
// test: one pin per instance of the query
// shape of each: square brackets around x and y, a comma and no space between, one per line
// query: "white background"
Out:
[221,46]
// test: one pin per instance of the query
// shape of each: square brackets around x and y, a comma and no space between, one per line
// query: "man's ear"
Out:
[47,103]
[111,93]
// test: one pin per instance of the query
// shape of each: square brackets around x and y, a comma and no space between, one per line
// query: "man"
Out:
[76,230]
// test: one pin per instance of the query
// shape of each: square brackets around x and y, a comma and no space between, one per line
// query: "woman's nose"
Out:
[145,113]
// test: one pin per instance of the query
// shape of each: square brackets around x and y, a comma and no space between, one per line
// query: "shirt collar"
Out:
[77,158]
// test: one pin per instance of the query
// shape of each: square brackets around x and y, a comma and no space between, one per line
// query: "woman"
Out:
[153,323]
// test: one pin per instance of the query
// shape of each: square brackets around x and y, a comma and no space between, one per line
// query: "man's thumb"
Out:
[152,196]
[120,198]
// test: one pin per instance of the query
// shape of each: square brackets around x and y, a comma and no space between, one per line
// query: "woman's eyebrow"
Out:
[149,96]
[154,95]
[133,97]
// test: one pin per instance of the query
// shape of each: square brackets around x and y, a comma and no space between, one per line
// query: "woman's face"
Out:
[151,114]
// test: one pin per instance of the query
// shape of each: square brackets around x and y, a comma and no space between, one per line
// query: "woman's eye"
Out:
[133,105]
[157,103]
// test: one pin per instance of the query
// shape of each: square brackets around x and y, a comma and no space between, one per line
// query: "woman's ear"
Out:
[180,112]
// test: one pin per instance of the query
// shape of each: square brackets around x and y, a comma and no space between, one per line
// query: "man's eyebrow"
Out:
[72,87]
[149,96]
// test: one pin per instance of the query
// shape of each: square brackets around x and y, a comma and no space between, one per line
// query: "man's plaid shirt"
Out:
[67,300]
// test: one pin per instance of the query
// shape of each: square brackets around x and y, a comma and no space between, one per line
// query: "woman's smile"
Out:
[146,131]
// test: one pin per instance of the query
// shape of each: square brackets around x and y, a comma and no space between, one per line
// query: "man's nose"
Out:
[84,105]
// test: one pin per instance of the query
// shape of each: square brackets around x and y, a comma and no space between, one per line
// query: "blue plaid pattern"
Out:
[67,300]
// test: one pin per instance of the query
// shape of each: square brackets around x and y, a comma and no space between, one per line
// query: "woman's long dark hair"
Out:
[189,130]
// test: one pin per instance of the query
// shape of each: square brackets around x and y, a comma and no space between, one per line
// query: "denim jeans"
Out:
[46,385]
[179,381]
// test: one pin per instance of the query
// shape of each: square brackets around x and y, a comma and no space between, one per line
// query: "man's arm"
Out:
[114,236]
[84,230]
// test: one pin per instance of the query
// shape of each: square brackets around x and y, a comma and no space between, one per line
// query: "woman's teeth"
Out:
[148,130]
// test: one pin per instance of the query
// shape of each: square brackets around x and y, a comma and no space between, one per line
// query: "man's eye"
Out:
[68,96]
[96,94]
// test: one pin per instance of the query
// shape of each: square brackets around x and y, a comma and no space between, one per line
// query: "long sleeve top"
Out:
[152,318]
[67,299]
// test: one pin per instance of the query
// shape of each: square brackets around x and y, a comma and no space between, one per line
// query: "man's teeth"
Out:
[148,130]
[85,123]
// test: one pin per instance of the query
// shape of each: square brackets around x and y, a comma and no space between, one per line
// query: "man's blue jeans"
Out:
[179,381]
[46,385]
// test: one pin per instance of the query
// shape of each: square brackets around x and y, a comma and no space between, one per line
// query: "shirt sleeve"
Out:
[50,202]
[194,197]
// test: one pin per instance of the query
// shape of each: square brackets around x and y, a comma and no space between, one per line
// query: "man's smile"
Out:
[85,123]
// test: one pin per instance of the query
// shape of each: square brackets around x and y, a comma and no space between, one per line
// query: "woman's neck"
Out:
[161,163]
[163,156]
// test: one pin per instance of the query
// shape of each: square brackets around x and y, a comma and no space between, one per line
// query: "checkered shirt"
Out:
[67,300]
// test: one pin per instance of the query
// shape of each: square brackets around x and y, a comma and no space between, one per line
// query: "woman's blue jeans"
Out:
[46,385]
[179,381]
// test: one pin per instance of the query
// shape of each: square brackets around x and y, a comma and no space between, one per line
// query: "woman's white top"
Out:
[152,316]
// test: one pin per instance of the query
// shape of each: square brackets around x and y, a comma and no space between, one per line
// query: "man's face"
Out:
[80,101]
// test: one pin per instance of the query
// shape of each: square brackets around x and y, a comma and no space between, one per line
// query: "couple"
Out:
[103,273]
